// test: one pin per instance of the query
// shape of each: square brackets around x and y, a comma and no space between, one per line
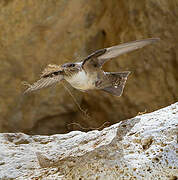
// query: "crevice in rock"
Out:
[54,124]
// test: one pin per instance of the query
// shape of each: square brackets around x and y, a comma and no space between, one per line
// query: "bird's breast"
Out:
[81,80]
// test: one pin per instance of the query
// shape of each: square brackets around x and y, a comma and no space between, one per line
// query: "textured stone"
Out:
[36,33]
[143,147]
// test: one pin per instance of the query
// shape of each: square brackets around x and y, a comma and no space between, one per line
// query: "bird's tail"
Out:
[117,82]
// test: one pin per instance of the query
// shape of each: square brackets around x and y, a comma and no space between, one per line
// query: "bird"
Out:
[88,74]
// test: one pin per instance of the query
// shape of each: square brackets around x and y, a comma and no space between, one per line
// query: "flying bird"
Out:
[88,74]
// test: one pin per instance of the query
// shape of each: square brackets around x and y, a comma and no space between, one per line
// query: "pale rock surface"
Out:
[143,147]
[34,33]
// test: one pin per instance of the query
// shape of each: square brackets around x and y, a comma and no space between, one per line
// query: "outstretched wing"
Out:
[101,56]
[51,75]
[43,82]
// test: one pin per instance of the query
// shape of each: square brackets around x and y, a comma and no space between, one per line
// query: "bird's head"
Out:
[70,67]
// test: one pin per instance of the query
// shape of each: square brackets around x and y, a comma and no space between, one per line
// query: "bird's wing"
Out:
[51,75]
[103,55]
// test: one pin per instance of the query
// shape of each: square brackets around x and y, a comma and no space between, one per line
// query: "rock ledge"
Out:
[143,147]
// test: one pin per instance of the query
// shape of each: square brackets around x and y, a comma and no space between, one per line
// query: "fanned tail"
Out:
[117,82]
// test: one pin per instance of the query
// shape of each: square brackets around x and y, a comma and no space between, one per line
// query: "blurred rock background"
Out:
[36,33]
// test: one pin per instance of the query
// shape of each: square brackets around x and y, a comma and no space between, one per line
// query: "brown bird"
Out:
[88,74]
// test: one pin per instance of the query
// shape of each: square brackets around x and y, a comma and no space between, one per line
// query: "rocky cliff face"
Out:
[143,147]
[36,33]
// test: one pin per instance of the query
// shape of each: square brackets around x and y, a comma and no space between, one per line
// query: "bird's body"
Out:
[88,74]
[81,80]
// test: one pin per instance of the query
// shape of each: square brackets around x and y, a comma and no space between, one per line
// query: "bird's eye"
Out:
[71,65]
[68,65]
[56,73]
[95,65]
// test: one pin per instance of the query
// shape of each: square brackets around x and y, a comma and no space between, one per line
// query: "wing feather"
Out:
[101,56]
[51,75]
[42,83]
[126,47]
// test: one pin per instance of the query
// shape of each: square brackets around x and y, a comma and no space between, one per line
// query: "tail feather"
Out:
[117,83]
